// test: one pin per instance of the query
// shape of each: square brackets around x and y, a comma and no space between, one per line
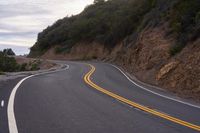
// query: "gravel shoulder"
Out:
[45,67]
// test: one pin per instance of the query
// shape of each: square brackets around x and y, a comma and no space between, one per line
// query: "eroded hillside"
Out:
[156,40]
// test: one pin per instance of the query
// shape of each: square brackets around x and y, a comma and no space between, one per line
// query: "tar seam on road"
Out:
[155,93]
[10,109]
[87,79]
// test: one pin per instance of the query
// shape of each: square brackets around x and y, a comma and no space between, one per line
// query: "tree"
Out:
[7,64]
[8,51]
[98,1]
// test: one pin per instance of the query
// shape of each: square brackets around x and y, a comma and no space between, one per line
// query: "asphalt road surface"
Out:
[96,98]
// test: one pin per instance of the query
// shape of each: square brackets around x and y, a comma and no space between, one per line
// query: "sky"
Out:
[22,20]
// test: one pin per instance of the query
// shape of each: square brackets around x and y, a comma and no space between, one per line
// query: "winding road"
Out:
[91,98]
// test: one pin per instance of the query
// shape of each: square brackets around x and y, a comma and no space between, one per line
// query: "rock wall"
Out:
[149,60]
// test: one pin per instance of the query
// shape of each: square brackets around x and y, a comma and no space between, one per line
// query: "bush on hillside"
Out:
[106,22]
[184,19]
[111,21]
[8,64]
[8,51]
[176,49]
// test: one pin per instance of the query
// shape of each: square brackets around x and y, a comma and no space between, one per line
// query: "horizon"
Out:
[21,21]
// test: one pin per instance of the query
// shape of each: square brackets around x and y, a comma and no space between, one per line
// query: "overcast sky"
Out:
[21,20]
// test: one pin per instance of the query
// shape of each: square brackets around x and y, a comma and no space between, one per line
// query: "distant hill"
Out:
[156,40]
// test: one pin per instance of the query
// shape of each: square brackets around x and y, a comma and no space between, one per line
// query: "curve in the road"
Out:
[10,109]
[87,79]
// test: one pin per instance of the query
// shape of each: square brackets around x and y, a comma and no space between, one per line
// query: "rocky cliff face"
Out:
[156,40]
[148,58]
[150,61]
[80,51]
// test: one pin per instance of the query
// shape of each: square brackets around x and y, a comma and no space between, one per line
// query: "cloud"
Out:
[19,50]
[18,9]
[21,20]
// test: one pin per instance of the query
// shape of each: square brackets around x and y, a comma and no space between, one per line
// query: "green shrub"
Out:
[153,3]
[197,18]
[176,26]
[94,57]
[8,64]
[1,73]
[23,67]
[34,67]
[8,51]
[59,50]
[184,19]
[175,49]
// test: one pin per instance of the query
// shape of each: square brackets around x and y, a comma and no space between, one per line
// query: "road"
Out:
[93,98]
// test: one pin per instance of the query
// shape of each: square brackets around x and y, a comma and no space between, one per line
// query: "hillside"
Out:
[156,40]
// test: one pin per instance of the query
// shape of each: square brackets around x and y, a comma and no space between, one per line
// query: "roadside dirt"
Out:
[43,64]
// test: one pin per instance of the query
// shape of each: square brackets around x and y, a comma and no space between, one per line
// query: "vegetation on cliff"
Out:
[104,22]
[109,22]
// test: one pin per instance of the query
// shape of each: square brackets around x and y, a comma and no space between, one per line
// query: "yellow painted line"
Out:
[136,105]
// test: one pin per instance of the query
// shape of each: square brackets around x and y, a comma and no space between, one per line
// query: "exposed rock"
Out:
[149,60]
[166,69]
[81,51]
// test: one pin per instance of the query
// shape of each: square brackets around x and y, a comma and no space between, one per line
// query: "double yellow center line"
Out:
[136,105]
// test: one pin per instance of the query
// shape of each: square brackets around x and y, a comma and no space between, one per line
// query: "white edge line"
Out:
[10,109]
[2,103]
[153,92]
